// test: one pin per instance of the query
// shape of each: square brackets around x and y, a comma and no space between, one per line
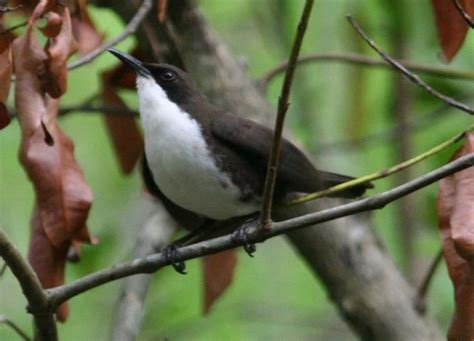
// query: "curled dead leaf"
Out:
[59,48]
[63,198]
[451,27]
[41,8]
[5,75]
[30,102]
[85,31]
[53,25]
[456,221]
[218,271]
[47,260]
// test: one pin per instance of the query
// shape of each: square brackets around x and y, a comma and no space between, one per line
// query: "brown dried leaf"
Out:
[161,10]
[451,26]
[30,102]
[218,271]
[456,222]
[63,198]
[41,8]
[5,76]
[123,130]
[47,260]
[59,48]
[53,26]
[4,116]
[87,36]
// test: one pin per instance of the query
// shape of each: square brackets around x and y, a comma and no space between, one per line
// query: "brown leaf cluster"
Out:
[456,222]
[83,27]
[451,26]
[63,198]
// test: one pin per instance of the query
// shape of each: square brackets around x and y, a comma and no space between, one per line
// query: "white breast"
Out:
[180,161]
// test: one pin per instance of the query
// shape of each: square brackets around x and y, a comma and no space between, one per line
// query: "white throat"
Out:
[180,160]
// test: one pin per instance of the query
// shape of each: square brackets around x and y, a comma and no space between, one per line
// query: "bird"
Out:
[208,162]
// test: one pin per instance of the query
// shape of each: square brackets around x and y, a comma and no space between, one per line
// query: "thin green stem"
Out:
[380,174]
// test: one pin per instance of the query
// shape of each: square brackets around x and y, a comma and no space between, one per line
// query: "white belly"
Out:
[182,166]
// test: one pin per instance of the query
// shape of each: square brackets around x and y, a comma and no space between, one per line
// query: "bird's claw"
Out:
[171,255]
[241,236]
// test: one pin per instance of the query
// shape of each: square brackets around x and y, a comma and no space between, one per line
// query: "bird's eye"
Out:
[168,76]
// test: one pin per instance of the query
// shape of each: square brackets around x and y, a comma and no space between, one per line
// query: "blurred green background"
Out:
[274,295]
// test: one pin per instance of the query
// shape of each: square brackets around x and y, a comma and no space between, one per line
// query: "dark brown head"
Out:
[176,83]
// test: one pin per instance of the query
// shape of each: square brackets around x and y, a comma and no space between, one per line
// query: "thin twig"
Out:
[358,59]
[256,234]
[283,104]
[411,76]
[34,293]
[130,29]
[87,108]
[464,14]
[380,174]
[5,9]
[100,109]
[425,284]
[4,320]
[14,27]
[2,269]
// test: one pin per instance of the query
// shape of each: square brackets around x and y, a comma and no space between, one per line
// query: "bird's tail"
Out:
[328,179]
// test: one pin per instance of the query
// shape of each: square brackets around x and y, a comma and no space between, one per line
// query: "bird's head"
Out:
[159,79]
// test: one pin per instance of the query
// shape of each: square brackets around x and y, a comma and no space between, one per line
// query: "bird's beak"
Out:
[131,61]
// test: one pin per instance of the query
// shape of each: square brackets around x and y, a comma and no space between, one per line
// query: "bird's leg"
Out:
[241,235]
[171,255]
[171,252]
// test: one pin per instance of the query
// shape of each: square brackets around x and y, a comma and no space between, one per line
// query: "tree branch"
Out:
[154,262]
[411,76]
[31,287]
[129,30]
[357,59]
[283,104]
[100,109]
[464,14]
[425,283]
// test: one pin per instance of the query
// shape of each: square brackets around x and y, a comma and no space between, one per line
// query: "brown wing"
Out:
[295,172]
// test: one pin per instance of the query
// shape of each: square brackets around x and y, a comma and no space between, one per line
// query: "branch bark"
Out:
[37,300]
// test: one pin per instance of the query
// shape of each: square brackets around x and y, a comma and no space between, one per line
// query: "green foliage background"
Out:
[274,294]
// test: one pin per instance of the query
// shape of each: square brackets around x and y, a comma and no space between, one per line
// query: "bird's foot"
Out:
[241,235]
[171,255]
